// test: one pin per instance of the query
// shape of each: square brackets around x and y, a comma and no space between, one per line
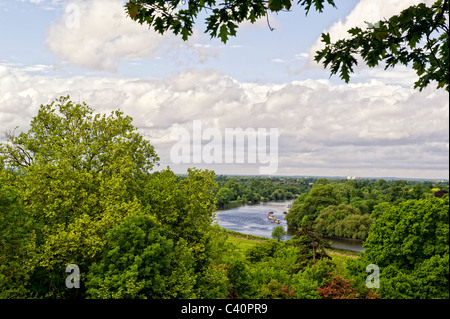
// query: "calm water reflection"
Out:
[253,220]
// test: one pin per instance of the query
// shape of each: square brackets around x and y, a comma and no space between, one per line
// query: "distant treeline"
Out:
[347,208]
[253,189]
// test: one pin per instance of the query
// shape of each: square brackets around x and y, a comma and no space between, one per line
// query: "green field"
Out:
[243,242]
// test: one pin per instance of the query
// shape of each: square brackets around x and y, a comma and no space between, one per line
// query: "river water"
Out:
[253,220]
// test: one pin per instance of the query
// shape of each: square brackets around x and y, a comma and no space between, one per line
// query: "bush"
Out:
[276,290]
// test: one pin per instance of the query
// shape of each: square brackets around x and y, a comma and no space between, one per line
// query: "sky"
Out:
[378,125]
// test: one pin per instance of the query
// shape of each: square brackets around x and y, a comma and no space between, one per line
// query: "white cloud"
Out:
[45,4]
[98,35]
[369,129]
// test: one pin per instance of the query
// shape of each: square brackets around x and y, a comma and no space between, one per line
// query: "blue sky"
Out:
[377,125]
[257,54]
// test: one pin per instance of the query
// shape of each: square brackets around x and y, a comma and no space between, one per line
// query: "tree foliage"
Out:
[141,234]
[17,243]
[135,263]
[74,184]
[278,233]
[309,206]
[223,18]
[417,37]
[409,244]
[343,221]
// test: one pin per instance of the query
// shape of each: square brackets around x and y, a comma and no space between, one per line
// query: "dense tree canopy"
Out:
[77,188]
[409,242]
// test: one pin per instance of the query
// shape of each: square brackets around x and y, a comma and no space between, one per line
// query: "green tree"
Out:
[134,264]
[213,282]
[276,290]
[409,244]
[320,196]
[278,233]
[224,196]
[17,244]
[343,221]
[311,246]
[78,175]
[242,285]
[278,194]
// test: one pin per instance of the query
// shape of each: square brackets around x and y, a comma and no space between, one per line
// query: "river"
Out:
[253,220]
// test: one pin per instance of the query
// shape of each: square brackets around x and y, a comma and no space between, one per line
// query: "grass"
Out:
[242,242]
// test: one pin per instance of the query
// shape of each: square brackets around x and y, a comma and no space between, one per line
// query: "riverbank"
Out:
[252,220]
[245,241]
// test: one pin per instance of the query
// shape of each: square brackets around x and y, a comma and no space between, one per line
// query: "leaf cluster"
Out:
[417,37]
[223,17]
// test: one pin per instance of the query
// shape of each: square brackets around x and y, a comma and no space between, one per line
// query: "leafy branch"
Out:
[418,36]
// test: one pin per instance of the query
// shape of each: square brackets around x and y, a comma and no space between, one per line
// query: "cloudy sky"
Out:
[376,126]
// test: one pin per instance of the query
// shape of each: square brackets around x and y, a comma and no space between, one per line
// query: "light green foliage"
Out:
[343,221]
[278,233]
[135,263]
[409,243]
[213,282]
[80,173]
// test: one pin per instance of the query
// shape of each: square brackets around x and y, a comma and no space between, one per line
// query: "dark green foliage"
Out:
[311,246]
[244,189]
[355,201]
[417,37]
[17,244]
[135,263]
[409,243]
[223,18]
[309,207]
[263,251]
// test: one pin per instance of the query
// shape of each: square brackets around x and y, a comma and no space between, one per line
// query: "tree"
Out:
[224,196]
[78,175]
[135,263]
[276,290]
[343,221]
[409,244]
[417,37]
[311,246]
[278,233]
[320,196]
[17,244]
